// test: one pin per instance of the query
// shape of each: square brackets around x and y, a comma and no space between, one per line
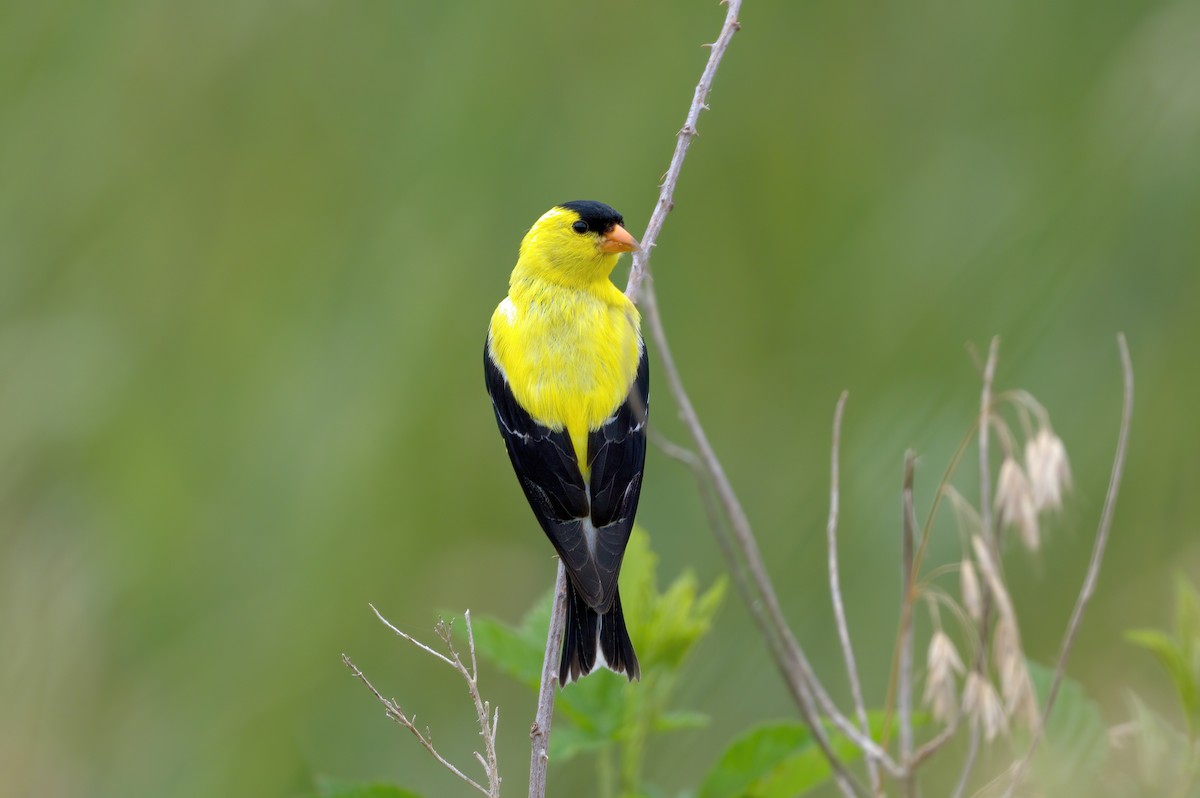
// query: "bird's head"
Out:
[575,242]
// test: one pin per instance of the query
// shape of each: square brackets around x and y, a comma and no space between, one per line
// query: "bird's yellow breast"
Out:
[570,353]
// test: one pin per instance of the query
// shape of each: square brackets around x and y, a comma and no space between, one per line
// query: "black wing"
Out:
[589,535]
[616,456]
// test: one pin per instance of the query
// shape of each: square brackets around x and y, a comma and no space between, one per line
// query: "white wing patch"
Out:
[509,310]
[587,527]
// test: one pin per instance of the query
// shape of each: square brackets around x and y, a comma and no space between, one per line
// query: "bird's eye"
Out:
[580,227]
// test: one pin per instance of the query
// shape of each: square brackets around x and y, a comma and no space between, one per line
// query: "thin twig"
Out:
[789,658]
[487,727]
[935,744]
[788,655]
[395,713]
[1093,572]
[908,526]
[918,558]
[964,777]
[666,194]
[675,451]
[715,520]
[539,733]
[411,639]
[985,517]
[835,589]
[801,693]
[487,718]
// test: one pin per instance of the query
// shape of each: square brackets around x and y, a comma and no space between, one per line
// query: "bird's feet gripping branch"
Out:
[566,368]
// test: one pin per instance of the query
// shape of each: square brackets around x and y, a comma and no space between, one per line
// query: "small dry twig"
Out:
[985,515]
[835,588]
[666,194]
[908,526]
[1093,571]
[488,718]
[787,653]
[539,733]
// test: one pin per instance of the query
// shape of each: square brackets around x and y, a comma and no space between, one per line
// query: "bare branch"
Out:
[908,592]
[487,726]
[934,745]
[835,588]
[793,677]
[788,655]
[675,451]
[539,733]
[964,776]
[394,712]
[666,195]
[985,517]
[715,521]
[789,658]
[471,645]
[412,639]
[1093,571]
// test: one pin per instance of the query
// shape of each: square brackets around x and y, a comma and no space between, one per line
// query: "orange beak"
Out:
[618,240]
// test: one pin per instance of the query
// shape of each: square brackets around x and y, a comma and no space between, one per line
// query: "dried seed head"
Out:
[1014,502]
[941,686]
[1020,701]
[964,512]
[1015,685]
[1006,644]
[982,705]
[991,575]
[1049,470]
[942,699]
[969,585]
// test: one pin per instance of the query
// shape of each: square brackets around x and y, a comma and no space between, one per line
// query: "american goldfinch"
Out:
[566,369]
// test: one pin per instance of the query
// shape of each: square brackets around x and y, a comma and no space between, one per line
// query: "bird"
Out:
[567,372]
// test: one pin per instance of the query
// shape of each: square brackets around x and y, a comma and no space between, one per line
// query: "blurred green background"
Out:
[248,251]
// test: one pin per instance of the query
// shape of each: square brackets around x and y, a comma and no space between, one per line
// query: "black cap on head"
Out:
[598,216]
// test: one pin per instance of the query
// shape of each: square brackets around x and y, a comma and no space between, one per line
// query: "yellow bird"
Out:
[566,369]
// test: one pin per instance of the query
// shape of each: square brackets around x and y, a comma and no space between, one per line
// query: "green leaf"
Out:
[1074,748]
[508,650]
[1171,656]
[782,760]
[678,619]
[598,703]
[1187,630]
[753,756]
[639,587]
[664,625]
[516,651]
[568,742]
[1187,621]
[799,773]
[604,709]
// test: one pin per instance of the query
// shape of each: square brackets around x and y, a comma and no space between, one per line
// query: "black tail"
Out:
[584,628]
